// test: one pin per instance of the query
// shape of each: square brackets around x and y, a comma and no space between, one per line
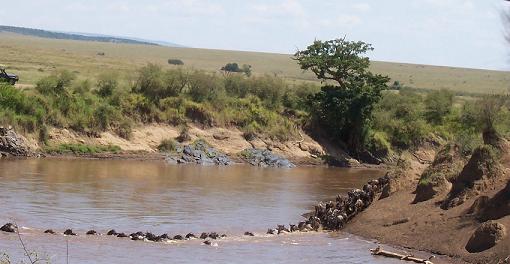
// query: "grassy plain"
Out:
[33,58]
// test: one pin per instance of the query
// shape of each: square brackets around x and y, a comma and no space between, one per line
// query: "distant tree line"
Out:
[58,35]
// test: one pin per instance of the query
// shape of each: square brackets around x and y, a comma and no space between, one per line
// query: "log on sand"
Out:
[380,252]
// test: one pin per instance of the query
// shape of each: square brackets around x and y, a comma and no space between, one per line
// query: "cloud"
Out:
[362,7]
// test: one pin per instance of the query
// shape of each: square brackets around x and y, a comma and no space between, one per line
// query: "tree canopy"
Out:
[343,110]
[234,67]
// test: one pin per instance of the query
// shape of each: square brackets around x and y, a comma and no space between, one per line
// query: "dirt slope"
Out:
[425,226]
[146,139]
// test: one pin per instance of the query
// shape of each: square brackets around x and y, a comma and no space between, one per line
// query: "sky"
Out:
[463,33]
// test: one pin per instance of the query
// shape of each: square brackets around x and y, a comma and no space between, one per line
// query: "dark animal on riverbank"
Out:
[334,215]
[204,235]
[178,237]
[122,235]
[69,232]
[137,236]
[49,231]
[214,235]
[190,236]
[151,237]
[248,234]
[112,233]
[165,237]
[92,233]
[9,228]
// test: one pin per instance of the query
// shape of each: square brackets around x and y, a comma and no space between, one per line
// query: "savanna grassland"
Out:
[33,58]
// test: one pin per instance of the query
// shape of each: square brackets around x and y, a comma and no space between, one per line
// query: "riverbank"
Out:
[145,140]
[425,226]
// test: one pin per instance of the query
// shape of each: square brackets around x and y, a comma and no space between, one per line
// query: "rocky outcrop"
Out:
[265,158]
[198,153]
[486,236]
[11,144]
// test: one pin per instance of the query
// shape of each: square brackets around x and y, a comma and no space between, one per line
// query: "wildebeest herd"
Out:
[332,216]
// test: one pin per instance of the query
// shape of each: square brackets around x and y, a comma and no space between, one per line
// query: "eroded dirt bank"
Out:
[482,207]
[144,141]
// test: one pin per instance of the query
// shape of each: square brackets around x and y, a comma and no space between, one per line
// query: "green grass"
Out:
[167,145]
[33,58]
[81,149]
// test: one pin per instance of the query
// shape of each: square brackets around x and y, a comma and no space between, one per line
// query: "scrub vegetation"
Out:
[354,107]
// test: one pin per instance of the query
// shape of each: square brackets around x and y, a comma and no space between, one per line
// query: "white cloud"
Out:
[362,6]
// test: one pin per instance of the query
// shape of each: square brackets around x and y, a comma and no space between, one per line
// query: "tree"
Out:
[175,62]
[231,67]
[438,104]
[343,107]
[234,68]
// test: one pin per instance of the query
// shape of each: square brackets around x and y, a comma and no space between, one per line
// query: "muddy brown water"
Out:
[132,196]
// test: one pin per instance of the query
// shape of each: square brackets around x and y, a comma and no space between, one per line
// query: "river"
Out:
[132,196]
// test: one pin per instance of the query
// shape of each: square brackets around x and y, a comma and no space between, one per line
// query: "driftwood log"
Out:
[380,252]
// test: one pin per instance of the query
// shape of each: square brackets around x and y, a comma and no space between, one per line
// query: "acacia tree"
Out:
[343,107]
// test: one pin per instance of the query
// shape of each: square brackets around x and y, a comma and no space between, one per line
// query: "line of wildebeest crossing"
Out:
[329,216]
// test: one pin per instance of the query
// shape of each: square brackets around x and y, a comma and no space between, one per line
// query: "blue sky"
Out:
[466,33]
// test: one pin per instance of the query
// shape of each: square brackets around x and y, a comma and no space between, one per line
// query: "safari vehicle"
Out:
[7,77]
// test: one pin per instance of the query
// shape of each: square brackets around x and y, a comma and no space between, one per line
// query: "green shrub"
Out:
[107,83]
[438,104]
[81,149]
[199,113]
[56,84]
[378,143]
[250,131]
[175,62]
[44,135]
[124,129]
[184,134]
[167,145]
[203,86]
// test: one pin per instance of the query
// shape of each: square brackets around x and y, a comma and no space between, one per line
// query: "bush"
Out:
[81,149]
[378,143]
[56,84]
[438,104]
[203,86]
[156,84]
[167,145]
[250,131]
[107,84]
[234,67]
[175,62]
[43,135]
[184,134]
[125,129]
